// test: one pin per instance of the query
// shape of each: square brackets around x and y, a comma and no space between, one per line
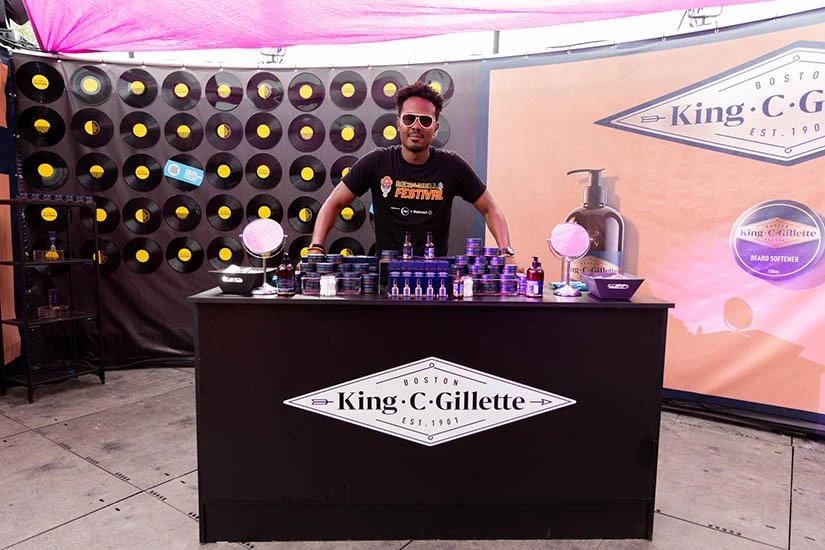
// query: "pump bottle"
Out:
[604,225]
[535,280]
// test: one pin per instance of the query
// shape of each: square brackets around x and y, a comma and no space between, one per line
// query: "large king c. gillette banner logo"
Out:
[770,109]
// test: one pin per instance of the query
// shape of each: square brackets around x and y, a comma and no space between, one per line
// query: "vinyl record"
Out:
[440,81]
[224,170]
[224,212]
[181,90]
[348,90]
[352,217]
[346,246]
[263,171]
[106,214]
[442,135]
[347,133]
[263,131]
[106,254]
[182,213]
[140,130]
[224,131]
[385,131]
[307,173]
[142,215]
[264,206]
[92,128]
[306,92]
[224,91]
[43,218]
[39,82]
[184,254]
[223,252]
[385,86]
[371,251]
[340,168]
[183,132]
[298,247]
[41,126]
[142,172]
[45,170]
[187,160]
[265,91]
[53,270]
[96,172]
[90,85]
[302,213]
[137,88]
[306,133]
[143,255]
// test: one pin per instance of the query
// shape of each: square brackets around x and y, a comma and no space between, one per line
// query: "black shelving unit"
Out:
[41,368]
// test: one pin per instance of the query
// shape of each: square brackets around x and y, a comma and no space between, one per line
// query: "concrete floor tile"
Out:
[86,395]
[330,545]
[43,485]
[10,427]
[504,545]
[808,504]
[140,522]
[180,493]
[145,443]
[732,482]
[689,421]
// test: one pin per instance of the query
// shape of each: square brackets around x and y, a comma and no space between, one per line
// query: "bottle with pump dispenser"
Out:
[604,225]
[535,280]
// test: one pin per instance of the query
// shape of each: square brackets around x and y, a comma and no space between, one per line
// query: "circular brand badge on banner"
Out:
[777,239]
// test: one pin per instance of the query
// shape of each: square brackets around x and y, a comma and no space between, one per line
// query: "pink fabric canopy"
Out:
[168,25]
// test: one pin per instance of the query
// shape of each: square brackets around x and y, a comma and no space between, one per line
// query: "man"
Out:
[412,184]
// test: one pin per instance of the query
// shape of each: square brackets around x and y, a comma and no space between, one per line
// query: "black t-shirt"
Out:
[412,197]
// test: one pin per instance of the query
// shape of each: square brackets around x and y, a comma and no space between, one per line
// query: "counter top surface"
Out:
[214,296]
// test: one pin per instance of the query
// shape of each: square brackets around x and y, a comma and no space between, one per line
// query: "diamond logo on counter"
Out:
[767,109]
[431,401]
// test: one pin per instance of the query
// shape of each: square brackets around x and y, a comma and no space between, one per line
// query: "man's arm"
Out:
[337,200]
[494,218]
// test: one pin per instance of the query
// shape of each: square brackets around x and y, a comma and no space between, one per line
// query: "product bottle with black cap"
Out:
[286,277]
[604,225]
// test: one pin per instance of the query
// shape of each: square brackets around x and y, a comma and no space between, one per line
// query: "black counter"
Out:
[280,459]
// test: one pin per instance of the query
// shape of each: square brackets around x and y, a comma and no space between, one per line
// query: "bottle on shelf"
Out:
[458,286]
[286,277]
[430,293]
[535,279]
[52,253]
[406,291]
[429,247]
[407,248]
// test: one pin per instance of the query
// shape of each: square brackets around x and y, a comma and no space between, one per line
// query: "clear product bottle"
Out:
[430,290]
[605,227]
[429,247]
[394,290]
[442,291]
[406,291]
[286,277]
[458,286]
[535,280]
[407,248]
[52,253]
[419,292]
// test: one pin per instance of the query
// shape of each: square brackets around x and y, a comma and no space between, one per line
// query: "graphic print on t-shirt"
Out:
[426,191]
[386,186]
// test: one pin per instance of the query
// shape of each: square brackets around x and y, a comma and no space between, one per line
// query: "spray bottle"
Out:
[604,225]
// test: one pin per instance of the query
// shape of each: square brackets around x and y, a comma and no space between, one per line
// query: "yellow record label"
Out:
[40,82]
[101,215]
[91,127]
[225,254]
[142,215]
[140,130]
[435,85]
[390,132]
[49,214]
[264,90]
[96,171]
[181,212]
[305,215]
[347,89]
[345,171]
[137,87]
[305,91]
[45,170]
[184,131]
[90,85]
[224,171]
[142,256]
[142,172]
[224,130]
[42,125]
[347,133]
[100,256]
[389,89]
[184,254]
[307,132]
[263,171]
[263,131]
[347,213]
[307,173]
[224,212]
[347,252]
[264,211]
[224,91]
[181,90]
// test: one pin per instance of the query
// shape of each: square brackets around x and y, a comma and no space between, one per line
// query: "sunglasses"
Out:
[408,120]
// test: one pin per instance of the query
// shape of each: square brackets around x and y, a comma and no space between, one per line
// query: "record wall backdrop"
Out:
[269,143]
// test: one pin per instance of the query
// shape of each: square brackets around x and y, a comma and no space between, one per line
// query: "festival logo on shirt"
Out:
[386,186]
[423,191]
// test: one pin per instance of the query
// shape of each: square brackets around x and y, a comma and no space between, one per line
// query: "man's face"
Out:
[414,136]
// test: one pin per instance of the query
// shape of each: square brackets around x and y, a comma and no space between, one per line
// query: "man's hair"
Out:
[422,90]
